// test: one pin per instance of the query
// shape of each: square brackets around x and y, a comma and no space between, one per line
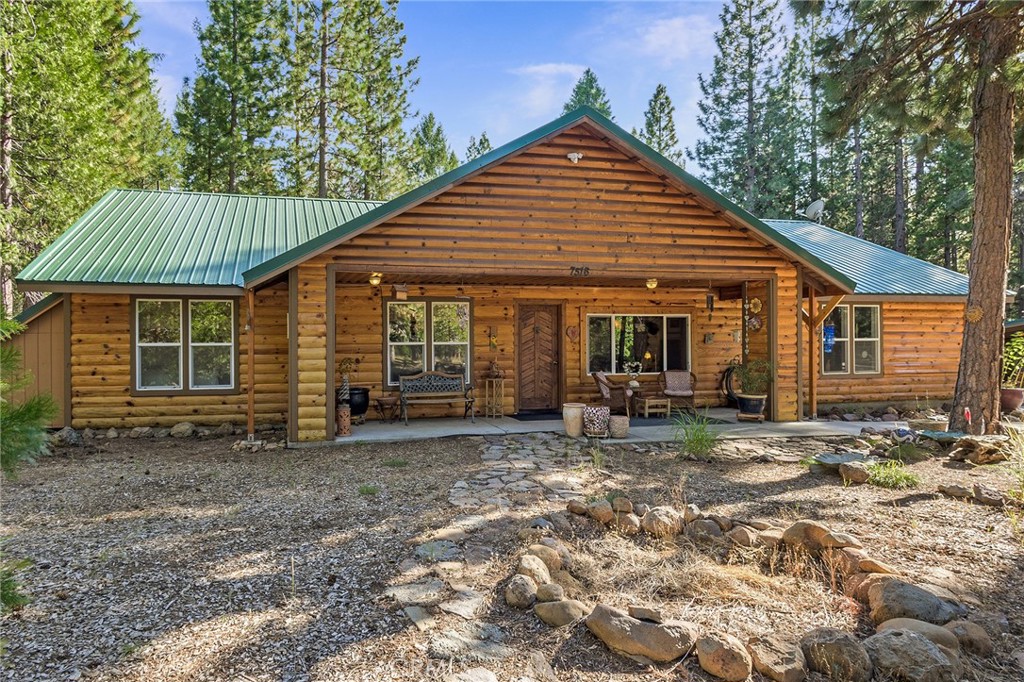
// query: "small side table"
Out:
[655,405]
[494,397]
[387,408]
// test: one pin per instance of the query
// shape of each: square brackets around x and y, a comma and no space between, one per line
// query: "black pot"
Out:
[359,400]
[751,404]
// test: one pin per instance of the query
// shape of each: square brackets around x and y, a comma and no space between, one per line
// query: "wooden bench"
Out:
[435,388]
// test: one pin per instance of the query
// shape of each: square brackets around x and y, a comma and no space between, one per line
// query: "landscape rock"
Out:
[472,675]
[724,656]
[743,536]
[981,449]
[836,540]
[112,433]
[641,509]
[546,554]
[538,669]
[141,432]
[438,550]
[183,430]
[535,568]
[88,433]
[704,528]
[224,429]
[957,491]
[937,634]
[806,534]
[854,472]
[521,592]
[542,523]
[560,613]
[576,507]
[691,513]
[550,592]
[910,657]
[770,537]
[859,585]
[422,592]
[971,636]
[777,660]
[845,559]
[572,587]
[601,510]
[659,642]
[899,599]
[68,437]
[662,522]
[837,655]
[420,617]
[987,495]
[831,461]
[622,505]
[871,565]
[563,551]
[626,524]
[646,613]
[471,642]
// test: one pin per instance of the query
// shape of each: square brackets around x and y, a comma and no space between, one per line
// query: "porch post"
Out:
[812,354]
[250,328]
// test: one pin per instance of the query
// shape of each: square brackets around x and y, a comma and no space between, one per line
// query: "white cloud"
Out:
[167,87]
[177,15]
[544,87]
[667,38]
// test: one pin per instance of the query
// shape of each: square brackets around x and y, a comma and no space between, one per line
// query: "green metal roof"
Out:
[875,269]
[152,237]
[289,258]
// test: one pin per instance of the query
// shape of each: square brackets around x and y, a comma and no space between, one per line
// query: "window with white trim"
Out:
[158,335]
[851,340]
[185,344]
[654,342]
[425,335]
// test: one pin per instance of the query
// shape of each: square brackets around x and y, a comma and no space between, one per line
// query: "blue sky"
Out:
[508,67]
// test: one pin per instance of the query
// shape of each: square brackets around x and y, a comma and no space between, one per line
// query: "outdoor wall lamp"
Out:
[652,283]
[375,278]
[574,156]
[400,291]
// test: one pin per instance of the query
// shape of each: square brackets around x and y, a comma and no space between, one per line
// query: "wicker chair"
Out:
[679,385]
[615,396]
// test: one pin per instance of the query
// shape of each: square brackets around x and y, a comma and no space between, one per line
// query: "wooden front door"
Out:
[539,355]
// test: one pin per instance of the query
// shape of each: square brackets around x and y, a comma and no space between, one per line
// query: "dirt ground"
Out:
[174,560]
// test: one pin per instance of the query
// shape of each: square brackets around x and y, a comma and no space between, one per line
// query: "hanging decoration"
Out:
[828,341]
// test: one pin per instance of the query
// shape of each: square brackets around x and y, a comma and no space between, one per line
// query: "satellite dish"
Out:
[814,210]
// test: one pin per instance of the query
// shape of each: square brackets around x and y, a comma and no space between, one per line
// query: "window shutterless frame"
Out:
[193,345]
[427,344]
[611,317]
[852,338]
[184,365]
[141,345]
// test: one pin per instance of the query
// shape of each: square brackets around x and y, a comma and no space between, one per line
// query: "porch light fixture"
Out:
[652,283]
[574,157]
[375,278]
[400,292]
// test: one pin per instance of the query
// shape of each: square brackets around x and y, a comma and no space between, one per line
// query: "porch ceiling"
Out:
[388,279]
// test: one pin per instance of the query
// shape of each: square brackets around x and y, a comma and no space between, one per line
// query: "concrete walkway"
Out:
[425,429]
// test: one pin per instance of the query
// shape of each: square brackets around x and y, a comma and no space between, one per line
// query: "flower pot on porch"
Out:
[572,418]
[595,421]
[343,420]
[751,406]
[1010,399]
[618,426]
[359,400]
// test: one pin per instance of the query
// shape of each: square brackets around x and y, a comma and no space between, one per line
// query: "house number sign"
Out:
[579,271]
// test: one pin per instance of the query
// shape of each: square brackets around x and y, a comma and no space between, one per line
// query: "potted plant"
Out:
[1011,393]
[755,379]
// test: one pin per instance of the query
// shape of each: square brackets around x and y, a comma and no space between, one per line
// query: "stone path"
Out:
[524,469]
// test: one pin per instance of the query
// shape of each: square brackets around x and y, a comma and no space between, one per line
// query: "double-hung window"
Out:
[851,340]
[424,335]
[648,343]
[184,345]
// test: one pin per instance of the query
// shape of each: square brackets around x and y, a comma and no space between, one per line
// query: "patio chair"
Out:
[679,385]
[615,396]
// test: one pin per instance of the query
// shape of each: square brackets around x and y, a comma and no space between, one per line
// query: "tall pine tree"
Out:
[478,146]
[588,92]
[659,131]
[431,153]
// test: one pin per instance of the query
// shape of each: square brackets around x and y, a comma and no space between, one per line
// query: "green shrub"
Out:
[367,489]
[24,424]
[893,475]
[693,434]
[396,463]
[1013,361]
[11,596]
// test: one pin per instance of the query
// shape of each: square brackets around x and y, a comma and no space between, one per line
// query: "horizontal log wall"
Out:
[101,368]
[920,355]
[360,334]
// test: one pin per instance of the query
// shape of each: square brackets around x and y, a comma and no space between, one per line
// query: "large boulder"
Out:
[777,660]
[837,655]
[935,633]
[805,534]
[724,656]
[559,613]
[899,599]
[659,642]
[854,472]
[622,505]
[625,523]
[601,510]
[548,555]
[68,437]
[662,522]
[910,657]
[550,592]
[521,592]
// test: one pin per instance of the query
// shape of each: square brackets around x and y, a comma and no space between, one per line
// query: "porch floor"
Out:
[425,429]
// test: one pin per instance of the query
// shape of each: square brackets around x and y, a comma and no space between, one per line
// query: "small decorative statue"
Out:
[494,371]
[633,368]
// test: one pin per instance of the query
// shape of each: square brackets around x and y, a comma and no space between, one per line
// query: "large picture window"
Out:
[656,342]
[184,344]
[425,335]
[851,340]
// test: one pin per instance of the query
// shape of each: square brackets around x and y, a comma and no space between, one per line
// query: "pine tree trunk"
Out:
[899,218]
[858,184]
[6,149]
[321,131]
[978,380]
[750,151]
[233,125]
[949,255]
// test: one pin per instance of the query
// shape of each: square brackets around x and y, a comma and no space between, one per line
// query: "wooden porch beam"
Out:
[829,307]
[250,328]
[812,360]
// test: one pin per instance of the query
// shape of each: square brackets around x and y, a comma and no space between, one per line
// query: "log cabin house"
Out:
[572,249]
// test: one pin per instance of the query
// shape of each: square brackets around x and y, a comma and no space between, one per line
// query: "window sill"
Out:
[166,393]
